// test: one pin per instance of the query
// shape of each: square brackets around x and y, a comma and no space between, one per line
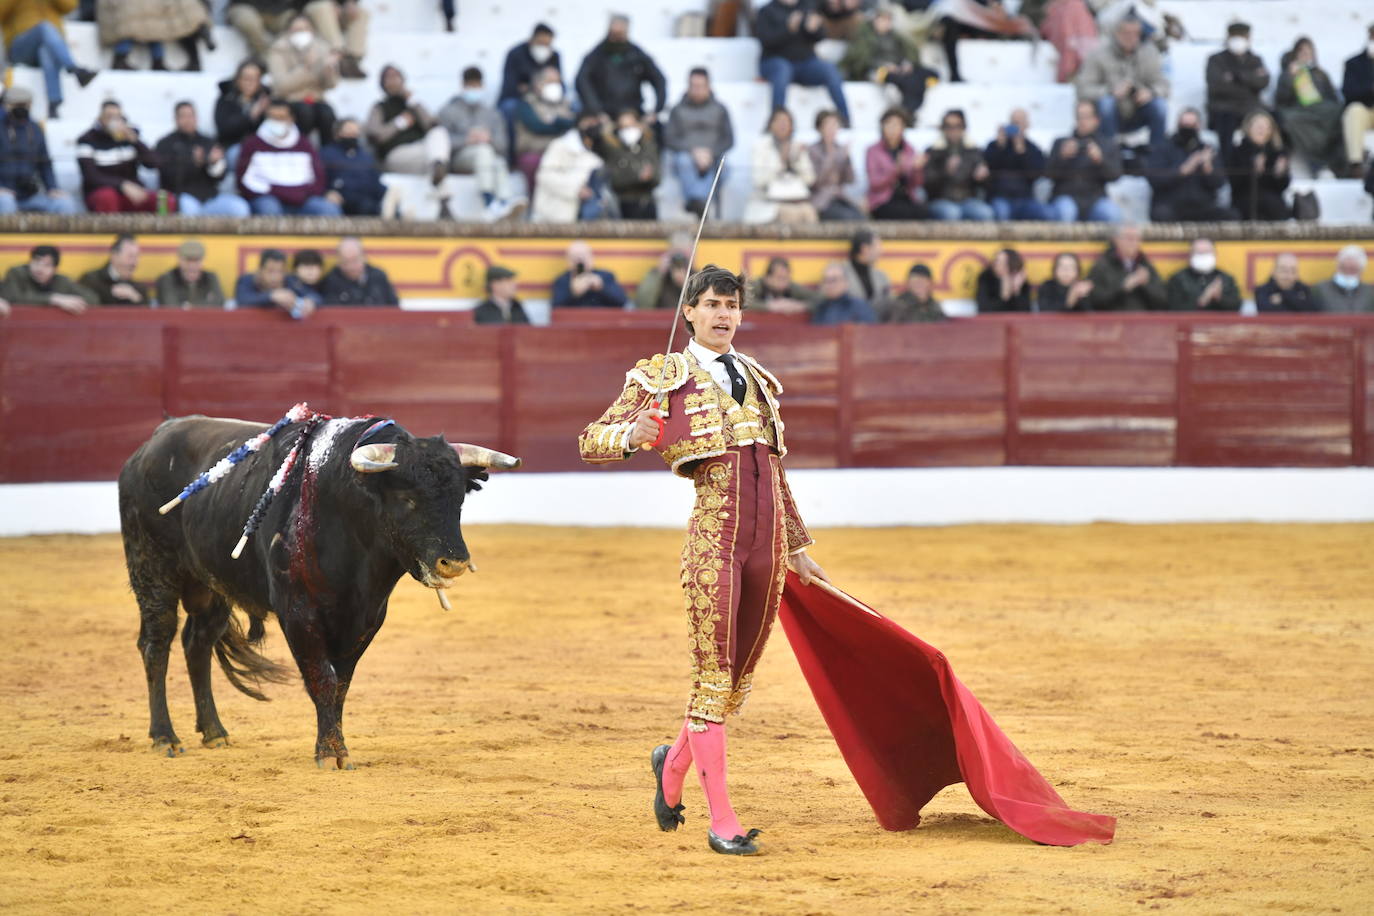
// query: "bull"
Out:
[349,521]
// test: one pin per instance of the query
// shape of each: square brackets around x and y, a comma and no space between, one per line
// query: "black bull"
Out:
[348,523]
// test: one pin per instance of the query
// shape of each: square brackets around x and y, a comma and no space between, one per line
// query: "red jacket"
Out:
[291,174]
[883,173]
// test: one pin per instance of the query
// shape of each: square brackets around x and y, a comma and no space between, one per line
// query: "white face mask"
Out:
[1346,281]
[540,53]
[551,93]
[301,40]
[630,135]
[1203,263]
[1237,45]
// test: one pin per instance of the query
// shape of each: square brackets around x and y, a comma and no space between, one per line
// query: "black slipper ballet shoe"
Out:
[668,818]
[739,846]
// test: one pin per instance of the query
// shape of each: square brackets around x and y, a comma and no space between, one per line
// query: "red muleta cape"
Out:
[907,727]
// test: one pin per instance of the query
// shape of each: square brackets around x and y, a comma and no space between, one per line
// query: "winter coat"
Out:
[845,310]
[1109,65]
[988,294]
[300,75]
[1286,96]
[834,173]
[884,173]
[959,185]
[381,128]
[1163,168]
[868,51]
[488,312]
[1078,176]
[233,120]
[355,175]
[625,163]
[178,169]
[25,165]
[1297,298]
[19,288]
[1331,298]
[1252,189]
[692,125]
[611,76]
[564,170]
[882,286]
[459,116]
[149,20]
[1108,274]
[1013,173]
[107,163]
[172,291]
[770,28]
[538,123]
[767,166]
[1186,286]
[520,69]
[374,289]
[1357,85]
[18,16]
[907,309]
[291,174]
[1234,83]
[101,284]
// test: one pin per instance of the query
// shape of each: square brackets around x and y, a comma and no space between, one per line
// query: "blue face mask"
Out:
[472,96]
[1346,281]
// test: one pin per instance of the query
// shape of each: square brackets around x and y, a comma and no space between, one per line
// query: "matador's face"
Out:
[715,318]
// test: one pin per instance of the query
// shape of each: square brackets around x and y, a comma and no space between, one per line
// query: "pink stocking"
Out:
[675,767]
[708,750]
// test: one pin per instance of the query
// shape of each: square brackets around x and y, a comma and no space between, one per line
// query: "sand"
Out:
[1210,686]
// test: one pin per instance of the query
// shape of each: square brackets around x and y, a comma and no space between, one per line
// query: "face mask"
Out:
[540,53]
[1187,136]
[1203,263]
[348,143]
[1237,45]
[551,93]
[472,96]
[301,40]
[630,135]
[275,131]
[1346,281]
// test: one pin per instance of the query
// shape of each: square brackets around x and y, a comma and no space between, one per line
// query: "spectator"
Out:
[1002,285]
[523,64]
[1081,166]
[39,283]
[1357,86]
[787,34]
[895,172]
[27,182]
[916,304]
[351,175]
[613,73]
[834,171]
[838,305]
[982,19]
[581,285]
[191,166]
[341,23]
[1123,279]
[1345,293]
[123,23]
[480,139]
[1259,170]
[866,281]
[1200,286]
[1067,290]
[570,180]
[776,292]
[113,282]
[303,68]
[1235,79]
[882,55]
[189,284]
[353,281]
[406,136]
[541,116]
[661,287]
[261,21]
[1124,79]
[842,17]
[698,135]
[1015,162]
[280,171]
[1186,174]
[1309,110]
[632,165]
[956,174]
[500,306]
[781,174]
[33,38]
[266,288]
[109,155]
[1070,27]
[1285,292]
[307,273]
[241,107]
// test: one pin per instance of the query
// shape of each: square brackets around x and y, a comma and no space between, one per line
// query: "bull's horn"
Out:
[369,459]
[476,456]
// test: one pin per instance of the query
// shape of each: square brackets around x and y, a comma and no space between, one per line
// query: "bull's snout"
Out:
[450,568]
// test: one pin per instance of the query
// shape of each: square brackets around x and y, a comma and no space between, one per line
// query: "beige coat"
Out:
[1109,65]
[769,172]
[297,74]
[149,20]
[563,172]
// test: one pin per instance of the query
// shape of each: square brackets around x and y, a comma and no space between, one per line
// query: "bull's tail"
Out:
[242,662]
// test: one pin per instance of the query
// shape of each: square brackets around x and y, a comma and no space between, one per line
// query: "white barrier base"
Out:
[829,498]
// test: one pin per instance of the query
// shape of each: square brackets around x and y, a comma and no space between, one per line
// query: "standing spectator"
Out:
[189,284]
[917,303]
[1259,170]
[776,292]
[1067,290]
[698,135]
[33,38]
[661,287]
[39,283]
[478,136]
[341,23]
[280,171]
[570,180]
[834,171]
[1200,286]
[27,182]
[583,286]
[406,136]
[1285,292]
[1309,110]
[303,68]
[1235,79]
[266,288]
[613,73]
[632,165]
[1002,285]
[861,272]
[307,275]
[1123,278]
[1015,162]
[1081,166]
[787,33]
[351,176]
[124,23]
[191,166]
[113,282]
[353,281]
[956,174]
[1124,79]
[541,116]
[838,305]
[241,107]
[109,155]
[882,55]
[1357,85]
[500,306]
[523,62]
[1186,174]
[1345,293]
[895,172]
[782,176]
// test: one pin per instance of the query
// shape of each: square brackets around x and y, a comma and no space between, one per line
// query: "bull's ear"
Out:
[476,456]
[369,459]
[473,476]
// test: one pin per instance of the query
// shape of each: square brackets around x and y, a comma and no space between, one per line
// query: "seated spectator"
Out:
[1014,163]
[1070,27]
[1002,285]
[895,172]
[956,174]
[113,282]
[523,64]
[353,281]
[266,288]
[698,135]
[1357,87]
[500,306]
[1124,80]
[39,283]
[1081,166]
[782,176]
[542,116]
[351,175]
[613,73]
[189,284]
[776,292]
[261,21]
[109,155]
[1067,290]
[916,304]
[570,180]
[302,69]
[191,166]
[124,23]
[280,171]
[1345,293]
[977,19]
[1259,170]
[632,165]
[479,138]
[837,304]
[1235,79]
[1123,278]
[1284,292]
[661,287]
[834,171]
[787,32]
[27,182]
[407,138]
[1185,175]
[33,38]
[1309,110]
[241,107]
[1200,286]
[842,17]
[582,285]
[342,24]
[866,280]
[882,55]
[307,275]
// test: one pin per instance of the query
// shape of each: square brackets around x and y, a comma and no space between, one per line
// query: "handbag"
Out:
[1305,206]
[788,188]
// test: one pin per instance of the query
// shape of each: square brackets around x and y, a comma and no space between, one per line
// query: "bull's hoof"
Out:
[332,763]
[221,741]
[167,747]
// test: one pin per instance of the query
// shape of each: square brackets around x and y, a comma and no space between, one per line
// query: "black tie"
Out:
[737,386]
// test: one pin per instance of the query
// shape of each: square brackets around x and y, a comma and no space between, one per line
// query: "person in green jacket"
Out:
[39,283]
[1123,278]
[632,165]
[885,56]
[1200,286]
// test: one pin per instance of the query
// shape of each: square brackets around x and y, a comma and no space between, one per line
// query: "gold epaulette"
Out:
[769,378]
[661,373]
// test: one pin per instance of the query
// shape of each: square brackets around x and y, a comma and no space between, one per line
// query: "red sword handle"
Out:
[656,404]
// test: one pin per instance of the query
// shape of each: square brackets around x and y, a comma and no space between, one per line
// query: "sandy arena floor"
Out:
[1211,686]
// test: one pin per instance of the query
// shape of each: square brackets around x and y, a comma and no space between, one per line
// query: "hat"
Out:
[919,270]
[18,95]
[677,259]
[191,250]
[1238,28]
[497,272]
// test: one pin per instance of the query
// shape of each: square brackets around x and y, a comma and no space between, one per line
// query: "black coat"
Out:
[375,288]
[1078,176]
[1358,84]
[488,312]
[1170,185]
[520,69]
[178,169]
[1234,82]
[989,295]
[611,77]
[770,28]
[232,119]
[1258,193]
[1269,298]
[1013,173]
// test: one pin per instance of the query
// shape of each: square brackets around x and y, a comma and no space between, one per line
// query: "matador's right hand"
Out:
[645,429]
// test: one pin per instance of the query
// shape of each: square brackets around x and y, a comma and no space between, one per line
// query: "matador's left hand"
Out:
[806,568]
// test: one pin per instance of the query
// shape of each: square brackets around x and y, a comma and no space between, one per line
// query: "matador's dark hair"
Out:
[717,280]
